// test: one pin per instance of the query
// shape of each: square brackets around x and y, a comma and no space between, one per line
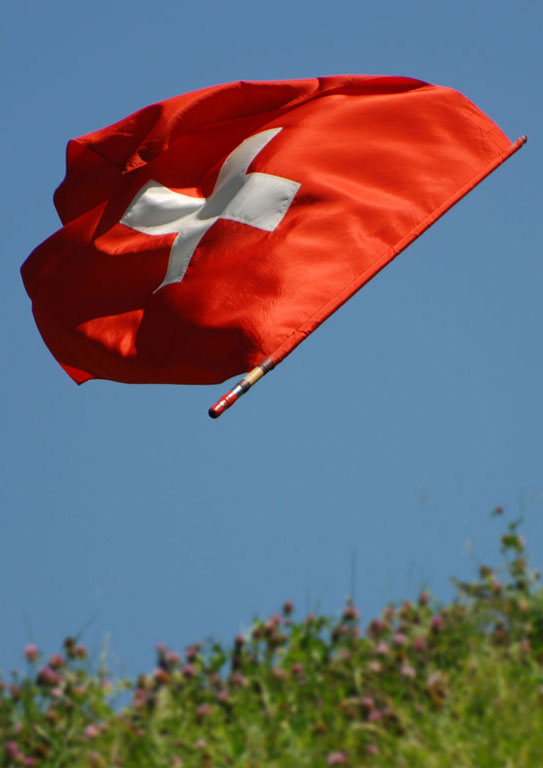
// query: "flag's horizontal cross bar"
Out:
[241,388]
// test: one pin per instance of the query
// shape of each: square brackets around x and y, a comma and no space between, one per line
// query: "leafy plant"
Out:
[425,685]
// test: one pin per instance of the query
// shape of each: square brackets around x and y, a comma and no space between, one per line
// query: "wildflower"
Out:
[525,645]
[48,676]
[372,749]
[31,652]
[382,649]
[56,661]
[350,613]
[388,613]
[349,707]
[513,541]
[339,632]
[408,671]
[238,680]
[273,622]
[92,731]
[436,624]
[522,605]
[367,702]
[13,751]
[173,658]
[191,653]
[320,727]
[52,715]
[204,710]
[288,608]
[500,632]
[258,631]
[377,627]
[424,598]
[15,692]
[189,670]
[95,760]
[214,679]
[400,639]
[277,639]
[420,643]
[223,695]
[80,652]
[56,693]
[392,720]
[337,758]
[279,673]
[161,676]
[374,666]
[497,587]
[200,744]
[436,687]
[239,641]
[375,715]
[29,761]
[69,645]
[297,669]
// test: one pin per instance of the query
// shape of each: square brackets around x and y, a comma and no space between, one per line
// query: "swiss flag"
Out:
[207,233]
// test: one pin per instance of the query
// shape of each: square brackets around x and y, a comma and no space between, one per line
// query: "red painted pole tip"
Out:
[224,403]
[241,388]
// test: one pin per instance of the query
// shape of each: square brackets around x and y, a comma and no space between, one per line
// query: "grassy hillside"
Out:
[422,685]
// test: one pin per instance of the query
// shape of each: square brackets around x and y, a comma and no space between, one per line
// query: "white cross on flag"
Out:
[257,199]
[212,232]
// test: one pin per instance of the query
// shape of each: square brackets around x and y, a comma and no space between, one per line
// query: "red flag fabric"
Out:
[206,233]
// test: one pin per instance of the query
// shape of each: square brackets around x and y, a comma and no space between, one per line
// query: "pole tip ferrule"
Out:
[241,388]
[225,402]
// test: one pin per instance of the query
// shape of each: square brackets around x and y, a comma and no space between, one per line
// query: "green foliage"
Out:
[459,685]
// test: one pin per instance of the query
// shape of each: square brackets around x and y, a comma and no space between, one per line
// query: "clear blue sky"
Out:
[125,508]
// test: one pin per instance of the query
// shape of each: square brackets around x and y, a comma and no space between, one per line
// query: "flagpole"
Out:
[241,388]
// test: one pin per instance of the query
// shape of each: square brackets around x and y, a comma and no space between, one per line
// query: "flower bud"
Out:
[31,652]
[288,608]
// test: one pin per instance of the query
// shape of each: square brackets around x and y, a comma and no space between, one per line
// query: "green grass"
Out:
[426,685]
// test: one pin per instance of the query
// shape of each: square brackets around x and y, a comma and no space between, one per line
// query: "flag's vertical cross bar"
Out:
[241,388]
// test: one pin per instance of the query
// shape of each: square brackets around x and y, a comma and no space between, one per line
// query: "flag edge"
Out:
[317,318]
